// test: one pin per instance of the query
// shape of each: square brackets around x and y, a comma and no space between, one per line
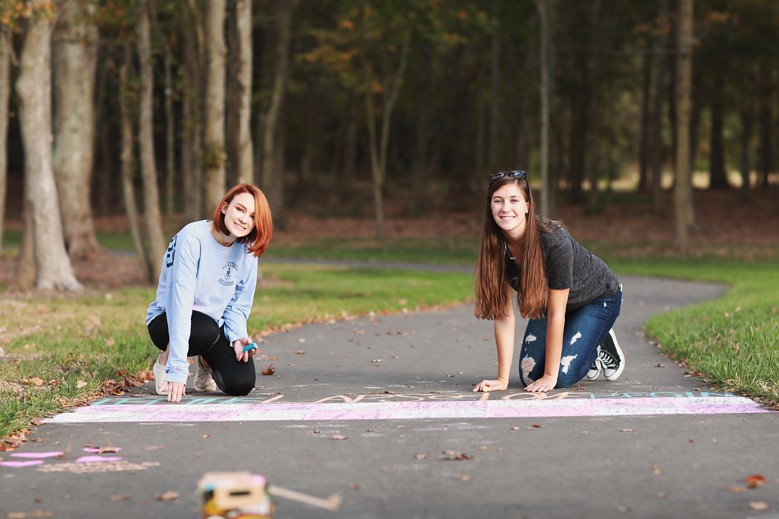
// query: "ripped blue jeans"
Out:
[585,328]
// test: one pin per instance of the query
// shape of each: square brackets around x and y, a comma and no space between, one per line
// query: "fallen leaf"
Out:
[354,486]
[758,505]
[120,497]
[420,455]
[167,496]
[35,381]
[80,384]
[339,437]
[626,430]
[736,490]
[450,455]
[655,470]
[755,481]
[464,477]
[515,428]
[269,370]
[300,352]
[206,436]
[537,426]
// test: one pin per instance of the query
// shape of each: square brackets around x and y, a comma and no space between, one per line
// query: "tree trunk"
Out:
[544,65]
[656,157]
[192,115]
[717,171]
[272,178]
[645,128]
[420,166]
[52,265]
[380,143]
[682,195]
[239,101]
[75,65]
[765,122]
[214,144]
[151,196]
[5,95]
[128,191]
[746,137]
[170,144]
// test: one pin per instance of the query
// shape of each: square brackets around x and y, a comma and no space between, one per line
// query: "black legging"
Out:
[208,339]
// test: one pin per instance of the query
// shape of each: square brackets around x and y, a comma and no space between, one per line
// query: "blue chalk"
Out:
[250,347]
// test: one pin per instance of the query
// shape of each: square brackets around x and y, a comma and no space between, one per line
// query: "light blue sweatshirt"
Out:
[200,274]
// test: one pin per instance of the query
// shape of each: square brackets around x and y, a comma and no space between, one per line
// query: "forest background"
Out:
[149,109]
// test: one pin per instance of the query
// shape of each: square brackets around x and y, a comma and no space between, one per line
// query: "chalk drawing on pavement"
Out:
[329,410]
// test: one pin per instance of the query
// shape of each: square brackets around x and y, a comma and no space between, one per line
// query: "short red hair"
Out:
[259,238]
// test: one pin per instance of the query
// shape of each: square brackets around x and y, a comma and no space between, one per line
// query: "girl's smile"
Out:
[509,210]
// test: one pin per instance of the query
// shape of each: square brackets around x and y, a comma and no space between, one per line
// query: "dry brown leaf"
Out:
[755,481]
[339,437]
[120,497]
[167,496]
[269,370]
[736,490]
[35,381]
[420,455]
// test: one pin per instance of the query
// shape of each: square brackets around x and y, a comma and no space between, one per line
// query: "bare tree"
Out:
[128,165]
[192,111]
[682,191]
[272,178]
[214,141]
[239,101]
[75,64]
[151,196]
[5,94]
[544,63]
[379,140]
[53,267]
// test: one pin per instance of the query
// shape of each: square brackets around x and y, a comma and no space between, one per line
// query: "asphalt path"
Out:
[377,415]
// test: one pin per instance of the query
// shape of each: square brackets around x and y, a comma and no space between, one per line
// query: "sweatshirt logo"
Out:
[170,254]
[229,274]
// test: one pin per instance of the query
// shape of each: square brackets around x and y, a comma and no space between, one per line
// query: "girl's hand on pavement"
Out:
[542,385]
[486,386]
[176,390]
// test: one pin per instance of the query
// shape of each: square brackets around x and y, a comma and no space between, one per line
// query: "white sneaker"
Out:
[596,369]
[161,385]
[611,358]
[203,379]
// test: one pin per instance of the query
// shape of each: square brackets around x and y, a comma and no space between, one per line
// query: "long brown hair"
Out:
[491,282]
[259,238]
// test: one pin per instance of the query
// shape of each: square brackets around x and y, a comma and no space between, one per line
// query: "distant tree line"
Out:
[154,107]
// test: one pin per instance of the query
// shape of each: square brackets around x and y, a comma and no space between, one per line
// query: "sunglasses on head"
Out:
[518,173]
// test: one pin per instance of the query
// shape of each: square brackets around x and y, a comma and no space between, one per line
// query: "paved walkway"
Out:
[378,413]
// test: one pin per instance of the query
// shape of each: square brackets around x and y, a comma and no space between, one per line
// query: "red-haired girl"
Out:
[204,297]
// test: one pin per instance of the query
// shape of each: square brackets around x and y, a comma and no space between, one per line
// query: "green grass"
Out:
[731,342]
[67,350]
[452,251]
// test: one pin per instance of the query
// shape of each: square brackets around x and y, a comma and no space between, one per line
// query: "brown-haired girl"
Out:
[205,295]
[570,297]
